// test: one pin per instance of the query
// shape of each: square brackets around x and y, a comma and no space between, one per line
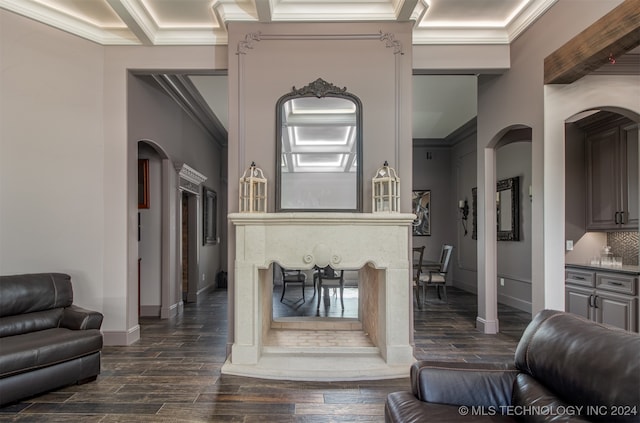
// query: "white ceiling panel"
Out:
[176,22]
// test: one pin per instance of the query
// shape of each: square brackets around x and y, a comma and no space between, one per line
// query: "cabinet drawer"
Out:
[625,284]
[580,277]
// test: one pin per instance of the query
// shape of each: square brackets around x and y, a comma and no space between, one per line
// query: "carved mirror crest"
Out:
[319,149]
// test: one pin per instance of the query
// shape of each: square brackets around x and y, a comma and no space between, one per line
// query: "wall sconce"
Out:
[530,193]
[253,191]
[464,212]
[385,190]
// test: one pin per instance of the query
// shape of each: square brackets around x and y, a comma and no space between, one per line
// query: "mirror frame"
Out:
[320,89]
[512,184]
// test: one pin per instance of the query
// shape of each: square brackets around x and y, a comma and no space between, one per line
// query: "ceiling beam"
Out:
[405,11]
[127,16]
[610,36]
[263,7]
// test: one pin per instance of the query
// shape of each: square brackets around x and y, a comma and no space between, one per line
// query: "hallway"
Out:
[173,373]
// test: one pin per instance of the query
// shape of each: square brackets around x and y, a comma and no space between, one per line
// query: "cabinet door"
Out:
[603,194]
[616,310]
[578,301]
[630,159]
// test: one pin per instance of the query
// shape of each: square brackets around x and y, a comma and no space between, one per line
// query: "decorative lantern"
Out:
[386,190]
[253,191]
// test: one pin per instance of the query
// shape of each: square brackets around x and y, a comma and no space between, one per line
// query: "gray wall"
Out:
[154,116]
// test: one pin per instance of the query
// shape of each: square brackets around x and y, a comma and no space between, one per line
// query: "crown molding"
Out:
[524,20]
[70,24]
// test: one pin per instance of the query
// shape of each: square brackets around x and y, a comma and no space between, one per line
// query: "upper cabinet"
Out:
[612,172]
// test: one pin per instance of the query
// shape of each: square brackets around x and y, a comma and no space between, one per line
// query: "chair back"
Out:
[329,274]
[445,258]
[418,254]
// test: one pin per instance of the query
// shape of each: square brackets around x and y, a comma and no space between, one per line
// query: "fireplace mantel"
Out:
[376,244]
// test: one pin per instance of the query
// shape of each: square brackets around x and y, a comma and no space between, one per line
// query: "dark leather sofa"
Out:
[46,342]
[567,369]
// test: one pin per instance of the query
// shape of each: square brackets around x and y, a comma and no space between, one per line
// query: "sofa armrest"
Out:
[78,318]
[471,384]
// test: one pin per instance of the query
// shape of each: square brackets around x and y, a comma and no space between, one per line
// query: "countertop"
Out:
[634,270]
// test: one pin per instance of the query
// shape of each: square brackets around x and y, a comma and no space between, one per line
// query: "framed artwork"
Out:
[209,216]
[143,183]
[421,207]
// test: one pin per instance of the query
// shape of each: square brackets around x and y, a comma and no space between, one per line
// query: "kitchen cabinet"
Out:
[612,174]
[604,296]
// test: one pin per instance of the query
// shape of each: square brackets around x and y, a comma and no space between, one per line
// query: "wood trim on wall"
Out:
[614,34]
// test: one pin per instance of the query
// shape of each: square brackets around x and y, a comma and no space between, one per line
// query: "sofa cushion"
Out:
[30,322]
[29,351]
[582,362]
[33,292]
[482,384]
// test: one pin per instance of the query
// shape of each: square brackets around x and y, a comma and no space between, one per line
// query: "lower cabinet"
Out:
[604,297]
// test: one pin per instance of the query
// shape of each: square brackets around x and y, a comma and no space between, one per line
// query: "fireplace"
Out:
[376,346]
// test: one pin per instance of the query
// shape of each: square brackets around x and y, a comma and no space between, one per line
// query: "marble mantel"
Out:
[376,244]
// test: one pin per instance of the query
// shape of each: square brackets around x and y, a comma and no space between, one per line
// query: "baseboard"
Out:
[150,310]
[516,303]
[487,326]
[121,337]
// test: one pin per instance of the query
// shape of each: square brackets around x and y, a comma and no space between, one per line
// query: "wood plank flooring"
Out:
[173,373]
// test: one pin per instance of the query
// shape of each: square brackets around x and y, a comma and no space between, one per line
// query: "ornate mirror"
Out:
[319,149]
[508,209]
[508,204]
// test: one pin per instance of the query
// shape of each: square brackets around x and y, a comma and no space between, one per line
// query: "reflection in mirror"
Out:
[319,145]
[504,213]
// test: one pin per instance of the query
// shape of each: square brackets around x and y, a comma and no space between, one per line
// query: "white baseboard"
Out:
[487,326]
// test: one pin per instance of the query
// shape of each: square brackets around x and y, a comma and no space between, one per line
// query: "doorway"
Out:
[189,246]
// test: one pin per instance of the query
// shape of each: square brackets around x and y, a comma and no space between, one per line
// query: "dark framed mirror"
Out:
[319,149]
[507,207]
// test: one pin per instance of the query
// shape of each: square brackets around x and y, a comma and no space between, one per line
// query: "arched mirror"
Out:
[319,149]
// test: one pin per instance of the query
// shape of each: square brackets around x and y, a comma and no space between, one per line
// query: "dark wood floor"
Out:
[173,373]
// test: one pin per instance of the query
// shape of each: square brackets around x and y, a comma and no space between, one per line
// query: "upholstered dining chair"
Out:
[330,278]
[418,253]
[295,277]
[437,277]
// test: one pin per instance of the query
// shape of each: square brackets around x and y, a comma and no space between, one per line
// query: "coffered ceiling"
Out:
[442,103]
[203,22]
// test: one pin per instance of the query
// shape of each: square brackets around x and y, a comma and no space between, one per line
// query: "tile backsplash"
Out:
[625,245]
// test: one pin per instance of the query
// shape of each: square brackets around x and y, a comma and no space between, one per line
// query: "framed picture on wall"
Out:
[209,216]
[421,207]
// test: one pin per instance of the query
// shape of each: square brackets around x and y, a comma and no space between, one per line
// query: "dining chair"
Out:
[330,278]
[438,277]
[295,277]
[418,253]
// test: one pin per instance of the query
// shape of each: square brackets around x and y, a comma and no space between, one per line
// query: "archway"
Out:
[601,152]
[619,93]
[515,287]
[154,255]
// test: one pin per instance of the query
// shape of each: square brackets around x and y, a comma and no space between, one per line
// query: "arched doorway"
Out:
[154,247]
[506,264]
[602,201]
[514,254]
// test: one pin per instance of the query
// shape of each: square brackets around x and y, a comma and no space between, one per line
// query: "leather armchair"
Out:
[566,369]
